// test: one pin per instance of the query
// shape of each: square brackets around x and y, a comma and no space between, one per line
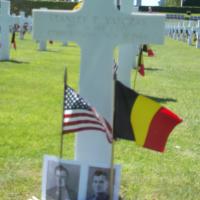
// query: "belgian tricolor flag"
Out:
[141,119]
[141,63]
[146,48]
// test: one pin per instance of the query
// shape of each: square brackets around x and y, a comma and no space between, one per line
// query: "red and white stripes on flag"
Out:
[80,116]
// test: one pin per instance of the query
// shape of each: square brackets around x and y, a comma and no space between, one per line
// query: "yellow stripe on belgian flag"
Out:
[78,6]
[140,121]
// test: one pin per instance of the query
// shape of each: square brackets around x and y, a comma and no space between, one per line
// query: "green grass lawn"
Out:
[31,95]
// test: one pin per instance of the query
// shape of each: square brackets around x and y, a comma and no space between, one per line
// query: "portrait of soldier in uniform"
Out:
[62,181]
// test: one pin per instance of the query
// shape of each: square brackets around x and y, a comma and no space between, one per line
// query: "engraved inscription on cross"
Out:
[5,21]
[98,28]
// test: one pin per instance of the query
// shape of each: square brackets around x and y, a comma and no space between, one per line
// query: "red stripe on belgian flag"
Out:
[141,119]
[161,126]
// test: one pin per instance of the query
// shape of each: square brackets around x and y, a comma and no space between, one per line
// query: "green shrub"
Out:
[27,6]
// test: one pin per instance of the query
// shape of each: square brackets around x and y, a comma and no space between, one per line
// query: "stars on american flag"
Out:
[80,116]
[74,101]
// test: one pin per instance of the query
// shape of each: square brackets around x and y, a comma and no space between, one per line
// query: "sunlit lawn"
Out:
[31,95]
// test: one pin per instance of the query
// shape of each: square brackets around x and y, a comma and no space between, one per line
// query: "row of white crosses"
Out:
[98,27]
[7,23]
[178,29]
[22,21]
[184,31]
[43,43]
[127,52]
[6,20]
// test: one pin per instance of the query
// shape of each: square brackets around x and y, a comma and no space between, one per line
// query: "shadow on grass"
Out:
[72,45]
[49,50]
[161,100]
[152,69]
[15,61]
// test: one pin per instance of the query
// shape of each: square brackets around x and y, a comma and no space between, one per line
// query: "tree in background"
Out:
[173,3]
[191,3]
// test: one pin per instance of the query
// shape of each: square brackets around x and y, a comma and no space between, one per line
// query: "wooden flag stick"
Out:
[136,73]
[61,145]
[111,182]
[61,136]
[135,78]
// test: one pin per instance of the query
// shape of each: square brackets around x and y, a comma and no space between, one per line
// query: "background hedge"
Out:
[27,6]
[171,9]
[191,3]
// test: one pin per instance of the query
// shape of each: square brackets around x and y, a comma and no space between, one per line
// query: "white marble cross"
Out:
[139,3]
[98,28]
[198,34]
[30,23]
[5,21]
[42,43]
[128,52]
[22,21]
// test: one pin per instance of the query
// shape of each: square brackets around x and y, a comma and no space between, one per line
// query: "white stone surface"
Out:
[98,27]
[42,43]
[128,52]
[5,21]
[198,34]
[21,24]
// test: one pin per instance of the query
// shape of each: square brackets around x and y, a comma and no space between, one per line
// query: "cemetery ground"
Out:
[31,96]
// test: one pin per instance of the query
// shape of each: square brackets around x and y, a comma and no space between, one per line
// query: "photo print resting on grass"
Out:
[61,179]
[98,183]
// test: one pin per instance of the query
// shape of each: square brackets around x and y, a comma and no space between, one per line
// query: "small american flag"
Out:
[80,116]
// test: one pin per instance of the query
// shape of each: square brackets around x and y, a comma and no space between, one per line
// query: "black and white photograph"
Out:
[60,179]
[98,184]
